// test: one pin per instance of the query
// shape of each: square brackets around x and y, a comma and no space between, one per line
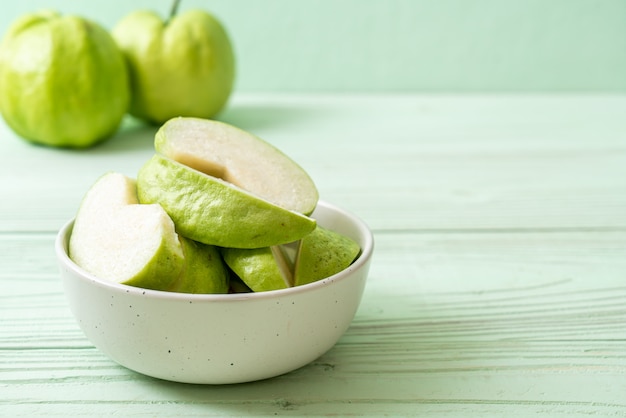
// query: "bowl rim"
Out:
[367,249]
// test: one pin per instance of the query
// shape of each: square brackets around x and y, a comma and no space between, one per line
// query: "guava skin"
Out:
[63,80]
[214,212]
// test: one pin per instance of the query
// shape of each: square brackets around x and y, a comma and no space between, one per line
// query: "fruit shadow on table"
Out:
[258,116]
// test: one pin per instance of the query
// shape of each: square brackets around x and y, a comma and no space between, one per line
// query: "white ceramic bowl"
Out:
[219,339]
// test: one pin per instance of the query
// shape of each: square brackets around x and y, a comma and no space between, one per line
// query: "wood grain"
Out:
[401,162]
[512,331]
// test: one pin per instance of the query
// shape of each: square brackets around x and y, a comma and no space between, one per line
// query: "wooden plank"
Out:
[399,161]
[492,323]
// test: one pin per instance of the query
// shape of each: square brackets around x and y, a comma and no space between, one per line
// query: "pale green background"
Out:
[405,45]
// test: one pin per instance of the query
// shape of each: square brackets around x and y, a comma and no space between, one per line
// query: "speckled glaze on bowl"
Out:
[218,339]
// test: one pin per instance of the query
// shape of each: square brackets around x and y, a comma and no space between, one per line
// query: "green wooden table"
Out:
[498,285]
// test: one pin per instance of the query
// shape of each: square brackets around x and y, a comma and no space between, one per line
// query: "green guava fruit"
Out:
[63,80]
[184,66]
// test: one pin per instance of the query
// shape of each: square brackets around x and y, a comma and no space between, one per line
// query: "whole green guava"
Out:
[182,66]
[63,80]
